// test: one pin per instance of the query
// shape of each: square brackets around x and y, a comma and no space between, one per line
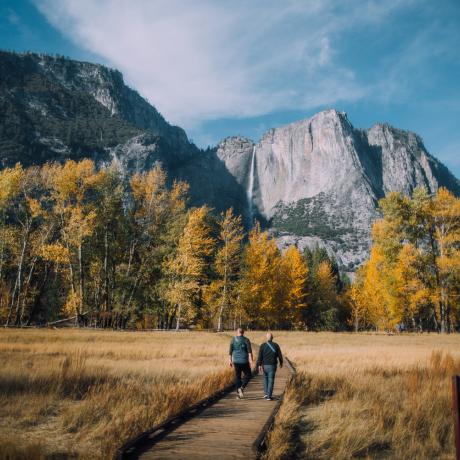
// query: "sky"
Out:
[220,68]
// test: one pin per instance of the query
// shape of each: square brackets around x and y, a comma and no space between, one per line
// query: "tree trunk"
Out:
[80,269]
[10,311]
[178,317]
[18,285]
[221,310]
[438,280]
[224,301]
[106,275]
[2,251]
[38,296]
[128,268]
[26,290]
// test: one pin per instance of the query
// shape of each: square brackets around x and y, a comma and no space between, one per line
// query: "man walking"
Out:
[269,355]
[240,357]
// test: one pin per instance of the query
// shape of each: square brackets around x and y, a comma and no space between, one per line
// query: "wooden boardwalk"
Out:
[225,430]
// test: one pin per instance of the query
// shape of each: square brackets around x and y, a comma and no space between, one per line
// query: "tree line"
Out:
[87,243]
[128,252]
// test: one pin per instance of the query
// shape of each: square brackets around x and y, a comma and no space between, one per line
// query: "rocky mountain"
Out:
[317,181]
[53,108]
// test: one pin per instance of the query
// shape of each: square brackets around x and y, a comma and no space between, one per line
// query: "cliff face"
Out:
[55,108]
[316,181]
[319,180]
[108,88]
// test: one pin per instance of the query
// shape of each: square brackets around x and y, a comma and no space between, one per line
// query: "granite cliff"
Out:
[319,180]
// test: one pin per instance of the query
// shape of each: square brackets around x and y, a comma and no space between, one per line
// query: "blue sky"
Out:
[220,68]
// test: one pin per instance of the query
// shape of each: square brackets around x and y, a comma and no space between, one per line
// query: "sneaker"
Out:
[265,396]
[240,393]
[268,398]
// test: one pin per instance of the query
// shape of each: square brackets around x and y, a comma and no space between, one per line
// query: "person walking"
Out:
[240,357]
[269,356]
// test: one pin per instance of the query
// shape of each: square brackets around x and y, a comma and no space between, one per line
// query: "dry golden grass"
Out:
[367,396]
[80,394]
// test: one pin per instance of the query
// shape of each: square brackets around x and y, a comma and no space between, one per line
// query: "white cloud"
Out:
[203,59]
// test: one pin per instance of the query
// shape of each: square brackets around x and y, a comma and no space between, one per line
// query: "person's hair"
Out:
[240,330]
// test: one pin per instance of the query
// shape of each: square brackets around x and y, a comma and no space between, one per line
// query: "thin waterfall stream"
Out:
[249,191]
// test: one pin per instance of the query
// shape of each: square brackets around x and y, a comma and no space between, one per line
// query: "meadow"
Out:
[81,393]
[367,396]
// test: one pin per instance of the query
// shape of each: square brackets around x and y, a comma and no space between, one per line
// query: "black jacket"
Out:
[267,356]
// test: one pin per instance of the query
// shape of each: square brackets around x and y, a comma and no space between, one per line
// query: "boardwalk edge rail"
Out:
[260,444]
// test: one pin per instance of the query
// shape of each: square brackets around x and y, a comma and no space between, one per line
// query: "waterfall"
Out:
[249,191]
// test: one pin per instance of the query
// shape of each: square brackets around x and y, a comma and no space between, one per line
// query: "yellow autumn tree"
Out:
[71,184]
[28,231]
[260,284]
[158,216]
[189,266]
[221,293]
[411,294]
[295,273]
[358,301]
[381,308]
[446,218]
[10,179]
[412,276]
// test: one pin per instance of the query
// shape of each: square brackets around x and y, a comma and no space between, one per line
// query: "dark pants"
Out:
[269,379]
[246,370]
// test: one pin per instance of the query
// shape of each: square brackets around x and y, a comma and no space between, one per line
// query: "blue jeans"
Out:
[269,379]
